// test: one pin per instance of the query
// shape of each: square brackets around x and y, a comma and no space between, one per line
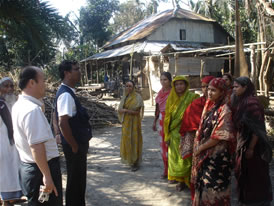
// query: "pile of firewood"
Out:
[100,114]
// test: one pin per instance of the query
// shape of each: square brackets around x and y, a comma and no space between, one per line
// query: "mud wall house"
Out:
[153,45]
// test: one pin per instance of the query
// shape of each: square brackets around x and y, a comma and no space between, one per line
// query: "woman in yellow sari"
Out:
[180,97]
[130,114]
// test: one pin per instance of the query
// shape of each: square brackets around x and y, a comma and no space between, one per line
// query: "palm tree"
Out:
[33,27]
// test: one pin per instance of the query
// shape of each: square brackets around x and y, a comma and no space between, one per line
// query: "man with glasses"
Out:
[75,131]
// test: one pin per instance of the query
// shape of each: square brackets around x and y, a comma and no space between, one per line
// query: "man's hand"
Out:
[49,185]
[75,148]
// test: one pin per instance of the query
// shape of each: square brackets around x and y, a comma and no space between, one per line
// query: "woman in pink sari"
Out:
[161,98]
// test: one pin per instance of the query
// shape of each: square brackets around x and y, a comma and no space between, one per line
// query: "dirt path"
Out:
[112,183]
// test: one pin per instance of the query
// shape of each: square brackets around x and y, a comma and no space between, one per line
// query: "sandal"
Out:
[172,181]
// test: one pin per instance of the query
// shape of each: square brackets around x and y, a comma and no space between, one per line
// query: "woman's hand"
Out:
[197,151]
[249,153]
[154,126]
[168,142]
[123,111]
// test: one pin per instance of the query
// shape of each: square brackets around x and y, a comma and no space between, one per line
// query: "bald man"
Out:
[35,142]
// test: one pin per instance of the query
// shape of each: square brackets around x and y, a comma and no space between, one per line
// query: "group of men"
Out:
[27,128]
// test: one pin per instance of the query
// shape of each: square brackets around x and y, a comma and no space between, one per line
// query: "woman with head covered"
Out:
[130,114]
[213,148]
[178,100]
[190,123]
[253,153]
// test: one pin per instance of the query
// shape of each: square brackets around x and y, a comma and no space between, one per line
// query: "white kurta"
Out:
[9,162]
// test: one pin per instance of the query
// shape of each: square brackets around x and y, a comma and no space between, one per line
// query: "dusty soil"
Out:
[111,183]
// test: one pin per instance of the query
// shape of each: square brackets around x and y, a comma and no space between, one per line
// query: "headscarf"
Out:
[5,79]
[176,106]
[218,83]
[207,79]
[134,101]
[248,117]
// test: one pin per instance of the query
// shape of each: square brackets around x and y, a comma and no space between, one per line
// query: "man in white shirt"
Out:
[75,131]
[10,190]
[35,142]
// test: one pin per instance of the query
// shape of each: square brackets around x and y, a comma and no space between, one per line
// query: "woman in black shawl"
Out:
[253,150]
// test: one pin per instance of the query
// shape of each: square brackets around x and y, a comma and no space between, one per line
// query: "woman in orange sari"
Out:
[160,114]
[130,114]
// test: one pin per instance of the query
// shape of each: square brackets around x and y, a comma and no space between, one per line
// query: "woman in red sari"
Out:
[254,152]
[161,98]
[190,123]
[213,148]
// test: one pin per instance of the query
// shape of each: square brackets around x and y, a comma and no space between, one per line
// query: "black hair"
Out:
[133,83]
[167,75]
[26,74]
[65,65]
[229,76]
[245,81]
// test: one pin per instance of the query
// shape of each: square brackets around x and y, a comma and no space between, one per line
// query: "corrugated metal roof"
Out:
[149,48]
[147,26]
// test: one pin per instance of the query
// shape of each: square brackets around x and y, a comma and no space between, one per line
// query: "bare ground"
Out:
[111,183]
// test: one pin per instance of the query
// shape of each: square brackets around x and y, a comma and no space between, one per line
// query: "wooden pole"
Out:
[202,68]
[86,73]
[253,65]
[230,59]
[176,64]
[97,75]
[149,59]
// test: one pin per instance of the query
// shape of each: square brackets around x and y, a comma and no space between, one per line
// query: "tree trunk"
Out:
[264,55]
[261,75]
[267,72]
[237,41]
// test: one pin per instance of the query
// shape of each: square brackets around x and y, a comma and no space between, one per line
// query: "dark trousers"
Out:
[31,178]
[76,174]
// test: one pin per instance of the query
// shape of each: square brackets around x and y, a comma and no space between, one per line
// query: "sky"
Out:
[66,6]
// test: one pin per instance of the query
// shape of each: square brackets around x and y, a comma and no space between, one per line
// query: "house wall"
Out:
[196,31]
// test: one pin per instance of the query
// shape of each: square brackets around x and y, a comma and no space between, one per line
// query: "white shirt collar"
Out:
[74,90]
[32,99]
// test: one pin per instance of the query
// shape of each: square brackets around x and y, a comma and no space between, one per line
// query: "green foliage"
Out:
[29,32]
[223,11]
[129,13]
[94,21]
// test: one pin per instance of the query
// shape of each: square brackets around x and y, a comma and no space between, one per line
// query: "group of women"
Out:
[203,138]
